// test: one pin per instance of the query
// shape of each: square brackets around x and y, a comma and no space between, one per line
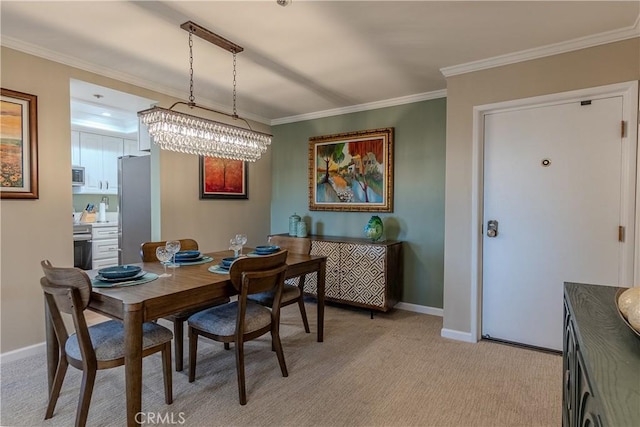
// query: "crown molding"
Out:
[362,107]
[71,61]
[540,52]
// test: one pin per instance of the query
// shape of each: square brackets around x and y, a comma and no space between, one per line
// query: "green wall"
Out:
[419,173]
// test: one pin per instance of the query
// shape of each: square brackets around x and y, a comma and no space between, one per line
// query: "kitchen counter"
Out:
[99,224]
[104,224]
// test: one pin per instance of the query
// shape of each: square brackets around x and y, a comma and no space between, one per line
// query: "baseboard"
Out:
[457,335]
[434,311]
[23,352]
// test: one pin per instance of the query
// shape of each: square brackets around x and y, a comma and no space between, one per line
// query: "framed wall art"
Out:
[352,171]
[223,178]
[19,145]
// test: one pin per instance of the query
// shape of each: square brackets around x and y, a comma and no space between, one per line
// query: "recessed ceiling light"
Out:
[106,114]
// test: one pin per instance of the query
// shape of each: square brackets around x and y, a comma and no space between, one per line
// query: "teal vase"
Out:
[373,229]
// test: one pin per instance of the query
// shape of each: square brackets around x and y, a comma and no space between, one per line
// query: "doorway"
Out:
[105,131]
[535,180]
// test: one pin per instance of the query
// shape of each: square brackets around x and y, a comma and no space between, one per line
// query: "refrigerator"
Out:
[134,206]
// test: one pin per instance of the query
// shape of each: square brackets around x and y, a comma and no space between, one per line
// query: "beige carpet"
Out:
[394,370]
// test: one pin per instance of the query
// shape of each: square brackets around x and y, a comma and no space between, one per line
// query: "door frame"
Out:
[630,265]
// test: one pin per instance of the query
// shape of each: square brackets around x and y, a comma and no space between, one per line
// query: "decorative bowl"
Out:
[119,272]
[624,319]
[226,262]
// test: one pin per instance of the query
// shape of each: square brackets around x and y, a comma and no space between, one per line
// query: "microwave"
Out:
[77,176]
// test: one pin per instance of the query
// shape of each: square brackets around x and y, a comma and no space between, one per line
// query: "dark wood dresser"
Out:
[601,360]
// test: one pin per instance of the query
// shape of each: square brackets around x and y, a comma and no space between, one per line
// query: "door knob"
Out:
[492,228]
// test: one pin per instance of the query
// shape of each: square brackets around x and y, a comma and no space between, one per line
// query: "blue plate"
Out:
[119,272]
[186,255]
[136,276]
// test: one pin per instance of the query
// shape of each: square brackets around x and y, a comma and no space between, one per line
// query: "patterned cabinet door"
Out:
[586,414]
[363,274]
[332,279]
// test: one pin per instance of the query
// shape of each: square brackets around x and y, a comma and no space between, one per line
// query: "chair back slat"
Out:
[242,266]
[148,249]
[296,245]
[67,278]
[261,281]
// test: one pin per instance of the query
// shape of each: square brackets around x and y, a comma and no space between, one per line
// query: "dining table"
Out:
[188,286]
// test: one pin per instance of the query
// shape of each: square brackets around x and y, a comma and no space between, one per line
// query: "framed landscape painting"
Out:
[223,178]
[19,145]
[352,171]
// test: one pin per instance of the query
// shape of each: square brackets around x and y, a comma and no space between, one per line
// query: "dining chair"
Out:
[148,254]
[90,348]
[293,291]
[243,320]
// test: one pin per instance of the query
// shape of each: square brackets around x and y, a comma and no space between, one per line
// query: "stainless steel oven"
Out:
[82,257]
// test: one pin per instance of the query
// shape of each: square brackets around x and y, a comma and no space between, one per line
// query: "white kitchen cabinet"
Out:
[104,263]
[75,148]
[131,148]
[104,246]
[99,156]
[144,139]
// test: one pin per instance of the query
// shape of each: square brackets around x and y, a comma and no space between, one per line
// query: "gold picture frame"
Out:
[352,171]
[19,145]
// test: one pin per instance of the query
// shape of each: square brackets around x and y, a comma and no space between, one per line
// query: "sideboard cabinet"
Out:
[601,360]
[359,272]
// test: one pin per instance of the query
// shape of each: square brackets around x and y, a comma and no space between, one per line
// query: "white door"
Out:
[552,181]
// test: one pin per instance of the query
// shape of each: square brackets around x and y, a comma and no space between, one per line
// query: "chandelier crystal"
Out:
[185,133]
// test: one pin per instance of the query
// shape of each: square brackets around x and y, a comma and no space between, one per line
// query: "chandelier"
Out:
[186,133]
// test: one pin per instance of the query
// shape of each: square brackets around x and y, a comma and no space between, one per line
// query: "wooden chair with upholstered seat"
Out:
[243,320]
[101,346]
[293,291]
[148,254]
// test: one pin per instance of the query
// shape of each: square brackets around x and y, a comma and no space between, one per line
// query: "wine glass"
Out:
[242,240]
[234,245]
[163,256]
[173,246]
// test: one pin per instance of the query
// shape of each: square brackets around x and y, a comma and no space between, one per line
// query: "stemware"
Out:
[163,255]
[173,246]
[242,240]
[235,246]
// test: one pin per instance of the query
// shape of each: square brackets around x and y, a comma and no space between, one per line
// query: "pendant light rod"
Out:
[211,37]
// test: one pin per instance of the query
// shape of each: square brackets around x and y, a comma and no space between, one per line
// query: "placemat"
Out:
[148,277]
[217,269]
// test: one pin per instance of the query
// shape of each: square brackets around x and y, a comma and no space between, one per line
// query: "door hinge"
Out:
[620,233]
[623,129]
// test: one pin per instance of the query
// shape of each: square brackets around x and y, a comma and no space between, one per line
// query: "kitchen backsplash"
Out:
[80,202]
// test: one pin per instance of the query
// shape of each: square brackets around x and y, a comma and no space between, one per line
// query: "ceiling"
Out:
[309,56]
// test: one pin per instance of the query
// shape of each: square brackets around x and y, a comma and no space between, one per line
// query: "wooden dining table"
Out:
[187,287]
